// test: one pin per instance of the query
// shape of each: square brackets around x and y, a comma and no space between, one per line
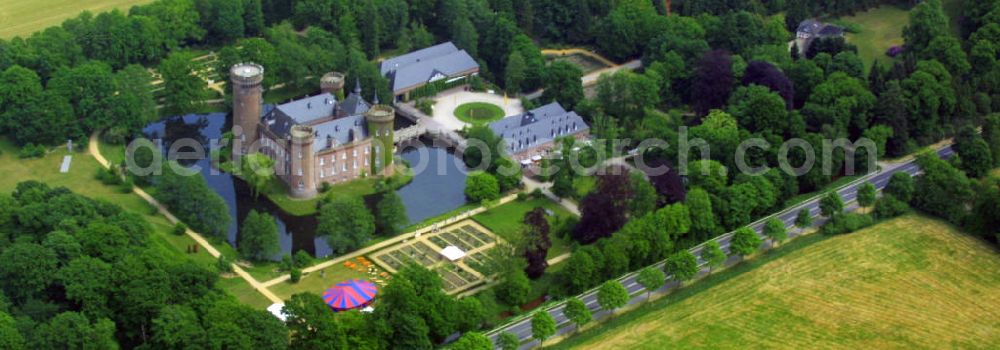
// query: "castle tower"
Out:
[380,120]
[333,83]
[247,99]
[302,179]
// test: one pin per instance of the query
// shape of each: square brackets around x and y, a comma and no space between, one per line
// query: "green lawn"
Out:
[23,17]
[507,221]
[478,113]
[316,282]
[880,29]
[913,282]
[582,185]
[80,179]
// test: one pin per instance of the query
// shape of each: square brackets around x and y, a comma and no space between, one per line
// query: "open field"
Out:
[880,29]
[912,282]
[23,17]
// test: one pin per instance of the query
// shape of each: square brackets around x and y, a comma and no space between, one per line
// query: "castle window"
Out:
[301,185]
[322,160]
[366,161]
[355,165]
[345,167]
[366,149]
[334,171]
[300,154]
[321,173]
[354,152]
[299,171]
[343,155]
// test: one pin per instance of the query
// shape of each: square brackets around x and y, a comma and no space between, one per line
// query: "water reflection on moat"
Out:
[437,186]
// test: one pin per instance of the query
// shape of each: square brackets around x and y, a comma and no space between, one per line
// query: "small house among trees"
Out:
[811,29]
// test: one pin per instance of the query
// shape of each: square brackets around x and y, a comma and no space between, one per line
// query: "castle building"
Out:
[314,140]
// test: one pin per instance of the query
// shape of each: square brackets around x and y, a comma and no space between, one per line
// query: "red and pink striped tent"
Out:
[351,294]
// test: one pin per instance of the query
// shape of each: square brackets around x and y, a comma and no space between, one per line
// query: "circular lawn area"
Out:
[478,113]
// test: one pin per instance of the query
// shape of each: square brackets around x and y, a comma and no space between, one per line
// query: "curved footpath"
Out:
[522,326]
[95,152]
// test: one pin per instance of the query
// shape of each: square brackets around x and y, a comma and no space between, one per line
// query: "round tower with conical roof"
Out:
[247,99]
[380,120]
[302,179]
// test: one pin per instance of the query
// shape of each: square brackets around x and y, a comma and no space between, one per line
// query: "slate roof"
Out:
[350,126]
[342,131]
[418,67]
[817,28]
[310,108]
[537,126]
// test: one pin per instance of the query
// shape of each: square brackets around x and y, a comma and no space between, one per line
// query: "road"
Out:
[522,327]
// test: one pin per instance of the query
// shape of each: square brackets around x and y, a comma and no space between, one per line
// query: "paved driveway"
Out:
[446,102]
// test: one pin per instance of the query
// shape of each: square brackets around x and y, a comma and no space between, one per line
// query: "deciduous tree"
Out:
[831,204]
[775,230]
[258,237]
[346,224]
[744,242]
[651,279]
[612,295]
[713,255]
[542,326]
[577,312]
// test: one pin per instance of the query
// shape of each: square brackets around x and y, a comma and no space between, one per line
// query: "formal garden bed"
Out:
[460,275]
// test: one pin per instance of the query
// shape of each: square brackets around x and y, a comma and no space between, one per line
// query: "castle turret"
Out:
[247,98]
[380,120]
[302,180]
[333,83]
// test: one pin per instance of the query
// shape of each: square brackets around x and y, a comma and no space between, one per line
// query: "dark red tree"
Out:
[769,76]
[537,242]
[669,184]
[605,209]
[713,81]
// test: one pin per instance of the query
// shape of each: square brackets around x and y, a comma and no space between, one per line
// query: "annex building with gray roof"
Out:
[418,68]
[531,135]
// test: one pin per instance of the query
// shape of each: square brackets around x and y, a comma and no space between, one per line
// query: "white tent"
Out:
[452,253]
[276,310]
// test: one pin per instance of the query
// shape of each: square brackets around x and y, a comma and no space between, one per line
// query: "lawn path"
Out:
[96,153]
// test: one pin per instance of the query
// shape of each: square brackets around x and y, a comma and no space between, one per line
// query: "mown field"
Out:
[879,29]
[23,17]
[912,282]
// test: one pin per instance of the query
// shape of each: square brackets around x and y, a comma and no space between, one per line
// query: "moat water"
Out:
[437,186]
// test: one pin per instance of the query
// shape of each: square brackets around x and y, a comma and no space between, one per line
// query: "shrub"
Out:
[537,193]
[108,177]
[302,259]
[890,207]
[481,187]
[286,262]
[180,229]
[126,185]
[521,196]
[296,275]
[224,265]
[31,151]
[324,187]
[845,223]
